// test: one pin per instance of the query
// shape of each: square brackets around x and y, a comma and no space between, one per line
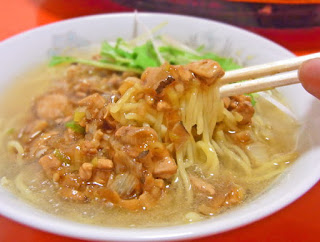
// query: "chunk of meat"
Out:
[181,73]
[94,100]
[104,163]
[165,168]
[96,137]
[85,171]
[163,106]
[235,196]
[201,185]
[56,177]
[50,164]
[242,137]
[95,106]
[147,200]
[242,105]
[101,176]
[178,135]
[158,78]
[141,143]
[213,206]
[152,78]
[136,135]
[89,147]
[53,106]
[159,162]
[109,195]
[208,71]
[159,183]
[152,191]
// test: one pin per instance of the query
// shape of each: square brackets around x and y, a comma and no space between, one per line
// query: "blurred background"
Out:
[294,24]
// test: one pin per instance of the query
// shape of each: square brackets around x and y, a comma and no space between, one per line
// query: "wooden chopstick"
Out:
[260,84]
[253,72]
[267,71]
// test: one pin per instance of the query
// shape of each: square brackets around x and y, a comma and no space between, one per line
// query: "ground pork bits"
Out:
[91,156]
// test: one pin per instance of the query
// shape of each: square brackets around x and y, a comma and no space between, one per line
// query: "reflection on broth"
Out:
[118,149]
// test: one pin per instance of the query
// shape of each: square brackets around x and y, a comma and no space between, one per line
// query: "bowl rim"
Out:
[179,232]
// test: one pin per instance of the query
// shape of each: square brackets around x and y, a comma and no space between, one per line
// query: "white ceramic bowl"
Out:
[26,50]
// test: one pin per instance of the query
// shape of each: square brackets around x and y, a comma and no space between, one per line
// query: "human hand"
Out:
[309,75]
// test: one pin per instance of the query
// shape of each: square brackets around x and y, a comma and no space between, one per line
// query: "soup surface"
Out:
[119,149]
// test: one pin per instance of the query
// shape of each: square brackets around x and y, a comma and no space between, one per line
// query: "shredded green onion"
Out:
[61,156]
[75,127]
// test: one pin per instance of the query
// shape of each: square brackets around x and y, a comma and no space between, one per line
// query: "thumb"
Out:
[309,75]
